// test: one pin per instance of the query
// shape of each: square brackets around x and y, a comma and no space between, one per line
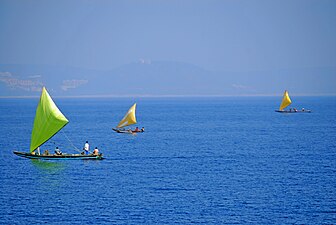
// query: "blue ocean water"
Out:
[229,160]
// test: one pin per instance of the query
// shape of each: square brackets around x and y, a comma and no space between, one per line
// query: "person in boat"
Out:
[95,151]
[142,129]
[46,152]
[86,147]
[136,129]
[303,109]
[58,151]
[36,151]
[295,110]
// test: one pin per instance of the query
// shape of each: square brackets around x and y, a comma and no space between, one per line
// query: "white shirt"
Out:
[86,147]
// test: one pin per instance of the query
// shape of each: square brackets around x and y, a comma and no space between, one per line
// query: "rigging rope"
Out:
[62,145]
[77,149]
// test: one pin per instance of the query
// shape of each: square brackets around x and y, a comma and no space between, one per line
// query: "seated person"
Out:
[142,129]
[136,129]
[58,151]
[46,152]
[95,151]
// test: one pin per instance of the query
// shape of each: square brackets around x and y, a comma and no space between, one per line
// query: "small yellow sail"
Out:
[129,118]
[286,101]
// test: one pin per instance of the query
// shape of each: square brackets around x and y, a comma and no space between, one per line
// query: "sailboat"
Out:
[127,120]
[48,121]
[286,101]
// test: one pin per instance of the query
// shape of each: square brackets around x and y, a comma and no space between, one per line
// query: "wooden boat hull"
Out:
[126,131]
[59,157]
[298,111]
[122,131]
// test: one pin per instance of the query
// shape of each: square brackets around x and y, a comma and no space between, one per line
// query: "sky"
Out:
[224,35]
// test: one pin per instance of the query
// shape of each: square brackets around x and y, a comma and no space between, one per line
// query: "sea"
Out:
[201,160]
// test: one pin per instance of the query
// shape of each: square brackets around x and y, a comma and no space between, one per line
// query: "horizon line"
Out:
[163,96]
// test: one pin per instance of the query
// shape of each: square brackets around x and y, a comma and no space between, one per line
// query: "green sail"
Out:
[48,121]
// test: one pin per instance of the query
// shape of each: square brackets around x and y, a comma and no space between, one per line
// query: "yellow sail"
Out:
[129,118]
[286,101]
[48,121]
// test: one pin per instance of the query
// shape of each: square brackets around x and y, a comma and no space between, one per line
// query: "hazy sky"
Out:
[216,35]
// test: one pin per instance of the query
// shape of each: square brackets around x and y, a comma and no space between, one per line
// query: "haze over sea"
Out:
[222,160]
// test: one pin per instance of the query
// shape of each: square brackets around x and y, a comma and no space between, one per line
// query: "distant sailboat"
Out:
[286,101]
[127,120]
[48,121]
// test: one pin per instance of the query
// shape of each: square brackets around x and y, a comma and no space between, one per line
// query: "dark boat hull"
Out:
[122,131]
[58,157]
[288,111]
[126,131]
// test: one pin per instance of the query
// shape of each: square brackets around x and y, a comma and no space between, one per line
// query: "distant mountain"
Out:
[161,78]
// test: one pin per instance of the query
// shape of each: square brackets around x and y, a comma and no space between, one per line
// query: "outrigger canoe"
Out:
[286,101]
[58,157]
[48,121]
[126,131]
[293,111]
[127,120]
